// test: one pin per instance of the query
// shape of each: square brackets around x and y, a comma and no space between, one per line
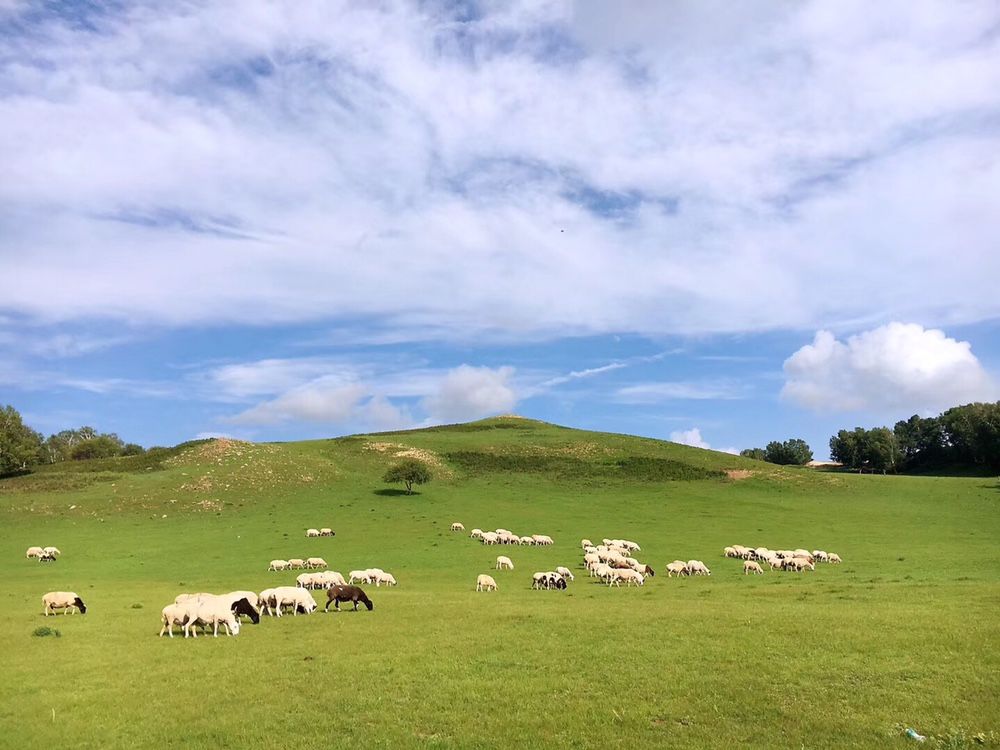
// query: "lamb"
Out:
[457,526]
[504,563]
[751,567]
[564,572]
[34,552]
[834,558]
[66,600]
[316,562]
[381,577]
[327,532]
[312,532]
[278,565]
[679,568]
[172,614]
[485,583]
[698,568]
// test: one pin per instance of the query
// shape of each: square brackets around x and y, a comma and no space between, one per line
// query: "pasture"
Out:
[904,632]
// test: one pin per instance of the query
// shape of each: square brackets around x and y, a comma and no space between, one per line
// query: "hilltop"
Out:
[221,473]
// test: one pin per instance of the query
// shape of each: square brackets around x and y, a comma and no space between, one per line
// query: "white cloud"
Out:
[892,367]
[322,400]
[397,148]
[690,437]
[470,393]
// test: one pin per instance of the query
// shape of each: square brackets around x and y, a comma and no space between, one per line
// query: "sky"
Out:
[720,224]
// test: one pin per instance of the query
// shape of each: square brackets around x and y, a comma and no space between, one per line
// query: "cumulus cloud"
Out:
[401,147]
[322,400]
[895,366]
[690,437]
[470,393]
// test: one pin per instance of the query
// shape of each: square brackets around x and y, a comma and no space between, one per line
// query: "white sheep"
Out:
[380,577]
[172,614]
[457,526]
[679,568]
[834,558]
[295,597]
[821,556]
[490,537]
[542,539]
[749,566]
[278,565]
[629,576]
[698,568]
[53,551]
[358,575]
[328,578]
[584,543]
[34,552]
[485,583]
[729,551]
[66,600]
[564,572]
[527,541]
[266,599]
[296,562]
[312,532]
[326,532]
[476,534]
[504,563]
[315,562]
[307,580]
[211,610]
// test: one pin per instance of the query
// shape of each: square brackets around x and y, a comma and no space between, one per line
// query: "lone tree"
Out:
[410,472]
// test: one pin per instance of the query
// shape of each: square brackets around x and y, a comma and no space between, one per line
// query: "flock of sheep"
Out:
[612,562]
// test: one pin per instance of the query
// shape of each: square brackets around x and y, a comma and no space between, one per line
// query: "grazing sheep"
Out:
[312,532]
[584,543]
[539,580]
[278,565]
[679,568]
[834,558]
[54,551]
[527,540]
[381,577]
[172,614]
[296,562]
[34,552]
[485,583]
[266,600]
[212,611]
[729,551]
[761,553]
[66,600]
[820,556]
[298,599]
[358,575]
[490,537]
[327,578]
[629,576]
[306,580]
[542,539]
[504,563]
[749,566]
[316,562]
[476,534]
[327,532]
[565,573]
[339,594]
[698,568]
[457,526]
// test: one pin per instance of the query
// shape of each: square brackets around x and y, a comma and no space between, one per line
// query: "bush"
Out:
[45,631]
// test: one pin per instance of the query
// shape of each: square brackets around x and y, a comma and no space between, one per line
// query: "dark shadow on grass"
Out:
[396,493]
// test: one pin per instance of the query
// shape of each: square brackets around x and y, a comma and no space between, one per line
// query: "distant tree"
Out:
[973,434]
[794,452]
[757,454]
[923,442]
[409,472]
[20,446]
[132,449]
[101,446]
[876,449]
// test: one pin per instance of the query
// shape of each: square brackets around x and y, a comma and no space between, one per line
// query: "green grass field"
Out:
[904,633]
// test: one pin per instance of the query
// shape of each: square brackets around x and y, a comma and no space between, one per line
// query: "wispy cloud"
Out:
[657,392]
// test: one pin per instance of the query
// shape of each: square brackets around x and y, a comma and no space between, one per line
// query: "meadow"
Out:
[904,633]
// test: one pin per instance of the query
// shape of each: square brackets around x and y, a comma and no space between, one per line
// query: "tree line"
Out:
[794,452]
[963,437]
[21,447]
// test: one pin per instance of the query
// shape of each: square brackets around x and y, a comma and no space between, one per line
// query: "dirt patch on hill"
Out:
[737,474]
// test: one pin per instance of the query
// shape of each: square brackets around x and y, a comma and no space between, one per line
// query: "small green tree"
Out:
[754,453]
[409,472]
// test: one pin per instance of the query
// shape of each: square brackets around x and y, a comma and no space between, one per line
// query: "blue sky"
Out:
[721,226]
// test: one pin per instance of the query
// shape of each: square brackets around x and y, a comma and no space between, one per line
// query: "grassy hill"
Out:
[905,632]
